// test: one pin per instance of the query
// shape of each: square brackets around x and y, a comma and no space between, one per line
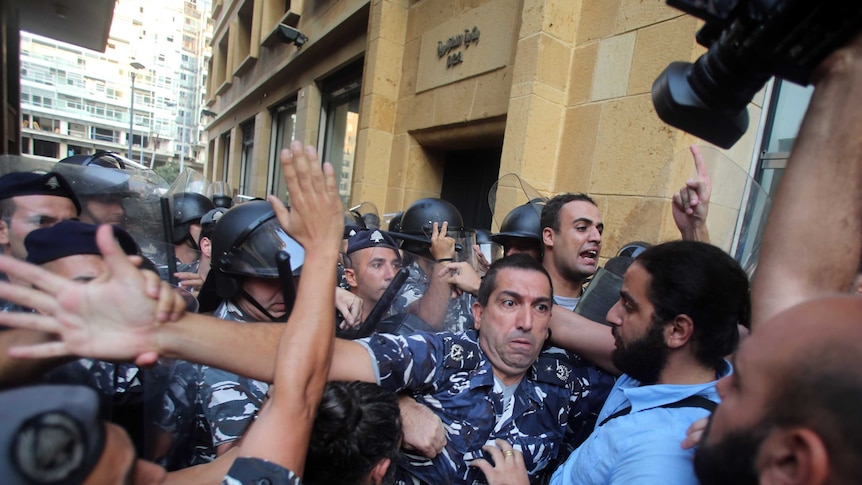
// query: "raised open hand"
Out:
[315,196]
[113,317]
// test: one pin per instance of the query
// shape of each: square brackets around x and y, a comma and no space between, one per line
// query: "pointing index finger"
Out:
[699,163]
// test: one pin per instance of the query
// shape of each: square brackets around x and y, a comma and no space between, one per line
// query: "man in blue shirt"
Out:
[675,322]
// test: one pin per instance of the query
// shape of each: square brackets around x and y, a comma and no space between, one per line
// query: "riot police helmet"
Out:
[245,242]
[523,221]
[395,222]
[633,249]
[106,159]
[419,218]
[188,208]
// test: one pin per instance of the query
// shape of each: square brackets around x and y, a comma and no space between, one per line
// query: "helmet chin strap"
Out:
[260,308]
[193,243]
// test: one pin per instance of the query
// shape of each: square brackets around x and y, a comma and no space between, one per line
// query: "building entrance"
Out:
[467,178]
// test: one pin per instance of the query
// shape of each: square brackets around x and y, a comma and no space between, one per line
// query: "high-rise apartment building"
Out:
[75,100]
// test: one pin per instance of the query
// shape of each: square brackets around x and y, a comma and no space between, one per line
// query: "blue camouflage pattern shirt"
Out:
[450,374]
[459,312]
[230,401]
[184,436]
[255,471]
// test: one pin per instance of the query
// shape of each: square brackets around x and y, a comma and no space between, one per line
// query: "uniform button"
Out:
[264,481]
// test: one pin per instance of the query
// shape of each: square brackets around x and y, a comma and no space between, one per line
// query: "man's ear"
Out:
[379,471]
[477,314]
[4,233]
[792,456]
[206,247]
[350,276]
[679,331]
[548,236]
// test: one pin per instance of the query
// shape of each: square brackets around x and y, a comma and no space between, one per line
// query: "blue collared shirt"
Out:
[642,447]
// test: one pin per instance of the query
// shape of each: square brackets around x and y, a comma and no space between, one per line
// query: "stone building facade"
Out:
[428,98]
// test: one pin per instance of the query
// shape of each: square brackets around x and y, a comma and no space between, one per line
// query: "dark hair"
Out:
[515,261]
[701,281]
[821,390]
[551,210]
[357,425]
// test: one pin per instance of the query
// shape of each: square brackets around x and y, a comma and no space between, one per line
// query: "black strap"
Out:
[689,402]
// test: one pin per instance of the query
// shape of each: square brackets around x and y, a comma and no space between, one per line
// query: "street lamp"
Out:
[136,66]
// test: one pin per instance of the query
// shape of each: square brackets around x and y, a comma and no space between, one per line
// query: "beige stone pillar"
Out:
[380,87]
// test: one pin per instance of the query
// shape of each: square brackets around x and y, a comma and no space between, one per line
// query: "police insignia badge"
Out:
[456,353]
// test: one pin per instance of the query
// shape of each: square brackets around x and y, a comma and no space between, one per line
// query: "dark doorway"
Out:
[468,176]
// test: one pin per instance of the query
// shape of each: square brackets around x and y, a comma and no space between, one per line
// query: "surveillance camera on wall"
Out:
[289,35]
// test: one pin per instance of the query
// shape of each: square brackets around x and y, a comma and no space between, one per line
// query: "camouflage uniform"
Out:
[459,313]
[449,373]
[230,401]
[595,391]
[120,388]
[592,386]
[183,436]
[255,471]
[113,382]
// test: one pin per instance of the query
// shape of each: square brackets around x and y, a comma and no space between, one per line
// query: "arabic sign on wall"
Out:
[474,43]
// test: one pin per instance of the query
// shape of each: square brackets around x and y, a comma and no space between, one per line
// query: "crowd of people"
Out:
[294,344]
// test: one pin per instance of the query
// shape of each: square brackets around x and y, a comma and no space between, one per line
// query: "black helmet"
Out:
[208,222]
[188,208]
[633,249]
[419,218]
[523,221]
[102,158]
[245,241]
[395,222]
[353,223]
[220,193]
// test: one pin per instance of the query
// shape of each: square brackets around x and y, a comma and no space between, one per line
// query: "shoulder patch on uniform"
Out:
[461,354]
[551,370]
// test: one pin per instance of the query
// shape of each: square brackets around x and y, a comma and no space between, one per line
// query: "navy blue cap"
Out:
[15,184]
[68,238]
[49,434]
[370,238]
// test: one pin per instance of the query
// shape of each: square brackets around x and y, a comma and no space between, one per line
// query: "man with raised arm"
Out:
[304,345]
[789,412]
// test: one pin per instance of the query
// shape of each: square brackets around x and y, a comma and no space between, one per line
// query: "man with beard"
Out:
[675,321]
[789,413]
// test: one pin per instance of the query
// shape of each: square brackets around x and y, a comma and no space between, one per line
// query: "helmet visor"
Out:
[256,255]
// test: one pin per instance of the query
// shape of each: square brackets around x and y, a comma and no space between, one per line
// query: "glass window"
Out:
[341,118]
[284,121]
[788,102]
[44,148]
[246,160]
[225,154]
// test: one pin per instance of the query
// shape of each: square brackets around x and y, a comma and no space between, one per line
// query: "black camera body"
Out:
[748,42]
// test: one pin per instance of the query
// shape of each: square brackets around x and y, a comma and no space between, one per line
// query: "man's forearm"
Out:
[248,349]
[433,305]
[811,244]
[591,340]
